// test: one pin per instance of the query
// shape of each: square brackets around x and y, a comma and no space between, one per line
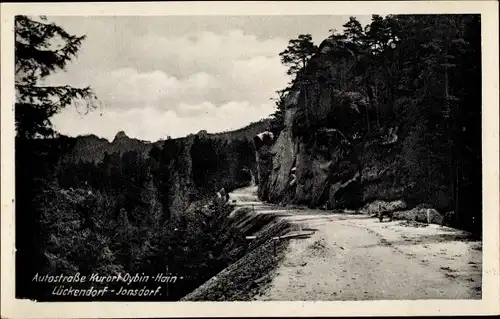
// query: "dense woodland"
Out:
[120,210]
[142,208]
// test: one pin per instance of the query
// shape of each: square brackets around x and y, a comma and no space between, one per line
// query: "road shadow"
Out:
[425,239]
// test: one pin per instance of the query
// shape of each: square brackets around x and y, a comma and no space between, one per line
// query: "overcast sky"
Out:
[172,76]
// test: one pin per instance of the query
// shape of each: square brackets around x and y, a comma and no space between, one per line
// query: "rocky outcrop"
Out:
[331,168]
[275,158]
[329,153]
[264,159]
[90,148]
[380,206]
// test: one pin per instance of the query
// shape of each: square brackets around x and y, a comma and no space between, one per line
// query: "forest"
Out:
[142,208]
[153,211]
[135,213]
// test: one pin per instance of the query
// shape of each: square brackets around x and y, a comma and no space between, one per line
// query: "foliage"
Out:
[298,53]
[36,57]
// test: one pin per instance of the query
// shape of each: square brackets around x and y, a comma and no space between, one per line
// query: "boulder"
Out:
[380,206]
[422,215]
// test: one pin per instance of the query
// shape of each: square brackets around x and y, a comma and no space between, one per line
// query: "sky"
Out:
[176,75]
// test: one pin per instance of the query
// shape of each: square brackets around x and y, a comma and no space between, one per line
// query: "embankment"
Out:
[248,276]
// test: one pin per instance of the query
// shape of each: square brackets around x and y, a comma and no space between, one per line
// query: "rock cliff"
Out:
[329,169]
[333,154]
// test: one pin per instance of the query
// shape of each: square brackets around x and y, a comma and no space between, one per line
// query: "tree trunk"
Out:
[367,108]
[374,106]
[453,168]
[367,119]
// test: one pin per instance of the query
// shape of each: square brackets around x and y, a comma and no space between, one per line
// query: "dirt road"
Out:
[354,257]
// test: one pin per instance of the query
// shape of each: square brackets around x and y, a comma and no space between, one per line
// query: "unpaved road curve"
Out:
[353,257]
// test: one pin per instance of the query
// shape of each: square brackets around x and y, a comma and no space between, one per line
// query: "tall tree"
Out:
[296,56]
[37,55]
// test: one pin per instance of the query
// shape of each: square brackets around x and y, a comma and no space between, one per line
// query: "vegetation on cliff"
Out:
[404,94]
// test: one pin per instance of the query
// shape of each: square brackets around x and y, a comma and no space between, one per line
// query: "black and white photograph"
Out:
[248,158]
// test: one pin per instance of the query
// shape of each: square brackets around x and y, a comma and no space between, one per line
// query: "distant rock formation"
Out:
[231,165]
[120,136]
[202,133]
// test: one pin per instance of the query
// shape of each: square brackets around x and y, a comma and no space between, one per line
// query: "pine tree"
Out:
[37,57]
[354,34]
[298,53]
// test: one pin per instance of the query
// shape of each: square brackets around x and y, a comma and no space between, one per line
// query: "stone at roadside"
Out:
[378,206]
[422,215]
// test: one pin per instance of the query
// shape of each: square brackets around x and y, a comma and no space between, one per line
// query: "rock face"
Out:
[326,156]
[263,145]
[291,170]
[328,170]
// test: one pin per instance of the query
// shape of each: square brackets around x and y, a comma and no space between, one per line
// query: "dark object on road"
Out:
[382,214]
